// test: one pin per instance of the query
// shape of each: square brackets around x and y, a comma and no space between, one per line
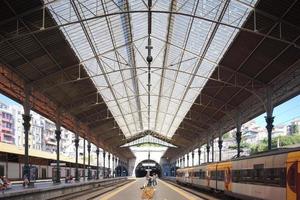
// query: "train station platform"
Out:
[163,191]
[49,190]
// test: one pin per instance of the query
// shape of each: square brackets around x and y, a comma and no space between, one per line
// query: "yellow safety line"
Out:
[186,195]
[113,193]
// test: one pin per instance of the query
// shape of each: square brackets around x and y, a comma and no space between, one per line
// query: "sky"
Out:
[283,113]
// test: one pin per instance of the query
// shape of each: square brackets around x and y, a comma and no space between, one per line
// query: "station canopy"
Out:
[189,38]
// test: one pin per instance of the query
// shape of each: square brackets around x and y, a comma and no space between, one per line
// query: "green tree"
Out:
[243,145]
[282,140]
[226,135]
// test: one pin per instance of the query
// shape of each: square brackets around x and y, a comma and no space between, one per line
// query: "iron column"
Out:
[97,153]
[199,156]
[83,159]
[188,159]
[76,158]
[89,161]
[238,133]
[238,141]
[108,165]
[113,165]
[104,164]
[207,151]
[220,142]
[26,125]
[269,118]
[193,156]
[57,135]
[212,151]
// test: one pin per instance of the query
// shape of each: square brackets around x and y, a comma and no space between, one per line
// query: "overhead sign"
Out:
[148,164]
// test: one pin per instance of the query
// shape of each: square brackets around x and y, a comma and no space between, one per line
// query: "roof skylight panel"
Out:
[174,86]
[161,5]
[185,6]
[198,34]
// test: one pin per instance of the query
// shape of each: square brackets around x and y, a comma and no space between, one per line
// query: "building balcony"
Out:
[50,142]
[10,130]
[10,134]
[7,120]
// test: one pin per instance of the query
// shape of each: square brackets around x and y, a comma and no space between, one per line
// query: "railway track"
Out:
[207,195]
[93,193]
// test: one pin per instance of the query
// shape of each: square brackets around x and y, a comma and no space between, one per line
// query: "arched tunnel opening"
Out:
[147,165]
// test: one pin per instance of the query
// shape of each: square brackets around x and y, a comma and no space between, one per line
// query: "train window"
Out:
[269,176]
[236,175]
[246,175]
[220,175]
[201,174]
[213,175]
[258,174]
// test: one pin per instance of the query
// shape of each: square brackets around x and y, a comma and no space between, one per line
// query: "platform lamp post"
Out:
[89,161]
[26,124]
[76,158]
[104,175]
[97,153]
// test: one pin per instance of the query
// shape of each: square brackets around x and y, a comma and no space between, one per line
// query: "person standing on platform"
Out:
[154,179]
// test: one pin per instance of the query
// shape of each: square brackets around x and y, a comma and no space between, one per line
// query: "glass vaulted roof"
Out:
[148,139]
[110,36]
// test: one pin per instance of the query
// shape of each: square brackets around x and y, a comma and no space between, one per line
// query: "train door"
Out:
[227,179]
[293,180]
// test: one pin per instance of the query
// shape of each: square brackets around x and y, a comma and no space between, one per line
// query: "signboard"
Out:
[60,164]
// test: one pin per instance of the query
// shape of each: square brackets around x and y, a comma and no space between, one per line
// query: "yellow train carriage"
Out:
[293,176]
[272,175]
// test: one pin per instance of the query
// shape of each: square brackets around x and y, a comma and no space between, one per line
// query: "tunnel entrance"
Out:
[142,168]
